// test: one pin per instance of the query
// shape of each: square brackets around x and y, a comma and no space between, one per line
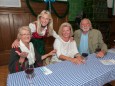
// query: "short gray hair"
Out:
[23,28]
[88,22]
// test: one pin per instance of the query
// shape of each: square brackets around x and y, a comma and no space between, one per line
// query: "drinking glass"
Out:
[85,55]
[29,70]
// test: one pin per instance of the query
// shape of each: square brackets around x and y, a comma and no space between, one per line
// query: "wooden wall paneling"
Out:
[12,27]
[60,7]
[5,31]
[5,38]
[4,57]
[19,20]
[32,18]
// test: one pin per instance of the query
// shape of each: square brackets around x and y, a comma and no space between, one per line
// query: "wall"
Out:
[13,18]
[112,35]
[76,7]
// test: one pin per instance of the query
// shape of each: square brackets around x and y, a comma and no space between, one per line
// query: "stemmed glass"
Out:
[29,70]
[85,54]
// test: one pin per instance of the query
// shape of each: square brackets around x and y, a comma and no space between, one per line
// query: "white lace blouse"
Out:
[64,48]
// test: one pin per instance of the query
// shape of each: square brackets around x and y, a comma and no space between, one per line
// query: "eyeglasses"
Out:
[25,34]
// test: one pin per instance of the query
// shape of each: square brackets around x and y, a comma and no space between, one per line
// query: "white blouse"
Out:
[64,48]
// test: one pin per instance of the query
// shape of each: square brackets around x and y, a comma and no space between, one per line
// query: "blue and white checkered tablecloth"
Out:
[112,50]
[92,73]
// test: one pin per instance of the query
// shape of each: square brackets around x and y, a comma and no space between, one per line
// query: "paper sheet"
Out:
[108,62]
[45,70]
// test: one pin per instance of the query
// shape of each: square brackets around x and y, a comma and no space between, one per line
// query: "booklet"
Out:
[45,70]
[108,62]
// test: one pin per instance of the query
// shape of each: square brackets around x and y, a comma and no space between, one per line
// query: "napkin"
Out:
[45,70]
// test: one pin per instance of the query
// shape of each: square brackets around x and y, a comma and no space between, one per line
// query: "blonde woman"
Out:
[40,29]
[66,49]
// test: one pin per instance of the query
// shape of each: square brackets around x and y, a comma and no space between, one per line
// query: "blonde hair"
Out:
[88,22]
[66,24]
[21,29]
[50,24]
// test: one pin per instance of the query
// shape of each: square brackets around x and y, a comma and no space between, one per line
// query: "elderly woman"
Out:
[66,49]
[25,52]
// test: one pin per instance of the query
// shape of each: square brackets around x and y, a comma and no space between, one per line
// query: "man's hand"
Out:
[100,54]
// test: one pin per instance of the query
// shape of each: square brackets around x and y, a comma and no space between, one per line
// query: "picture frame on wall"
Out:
[10,3]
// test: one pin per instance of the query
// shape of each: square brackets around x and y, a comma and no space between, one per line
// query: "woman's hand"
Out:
[78,60]
[71,39]
[53,52]
[15,44]
[22,55]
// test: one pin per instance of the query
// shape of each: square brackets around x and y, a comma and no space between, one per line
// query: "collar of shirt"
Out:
[44,31]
